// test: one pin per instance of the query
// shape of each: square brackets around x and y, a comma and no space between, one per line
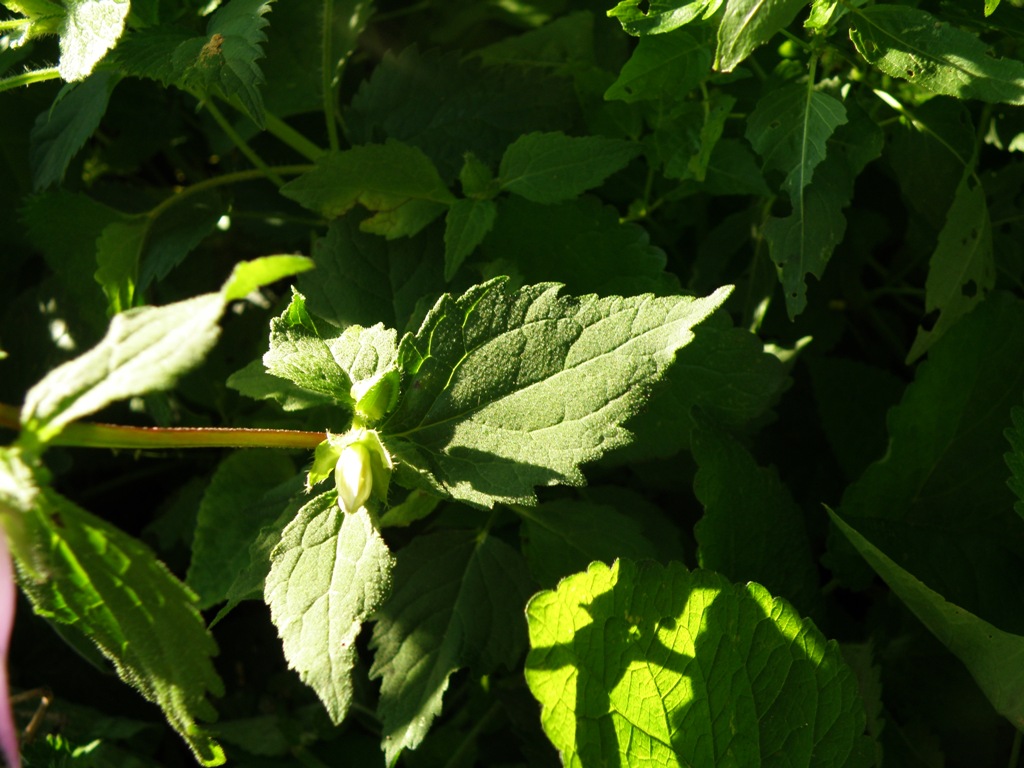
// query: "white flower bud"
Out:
[353,475]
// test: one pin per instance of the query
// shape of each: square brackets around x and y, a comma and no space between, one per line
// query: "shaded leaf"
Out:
[752,530]
[466,225]
[1015,458]
[457,602]
[914,45]
[60,132]
[643,663]
[992,655]
[330,572]
[553,167]
[505,390]
[664,67]
[938,497]
[396,181]
[962,269]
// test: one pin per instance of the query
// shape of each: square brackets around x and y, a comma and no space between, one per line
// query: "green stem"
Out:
[91,435]
[14,24]
[1015,750]
[284,132]
[223,180]
[27,78]
[327,75]
[242,144]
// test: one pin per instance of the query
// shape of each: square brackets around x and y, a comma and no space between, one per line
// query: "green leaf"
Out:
[652,17]
[505,390]
[105,586]
[118,250]
[802,243]
[59,133]
[396,181]
[330,572]
[991,655]
[724,371]
[254,381]
[962,269]
[175,233]
[564,45]
[789,128]
[582,244]
[1015,458]
[747,24]
[248,276]
[448,104]
[364,279]
[752,530]
[553,167]
[91,28]
[224,61]
[644,664]
[562,537]
[230,517]
[303,351]
[457,602]
[466,225]
[145,350]
[938,496]
[916,46]
[662,68]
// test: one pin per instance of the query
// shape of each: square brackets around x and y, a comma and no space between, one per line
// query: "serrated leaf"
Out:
[118,250]
[61,131]
[507,390]
[914,45]
[962,269]
[944,456]
[645,664]
[582,244]
[747,24]
[230,517]
[323,360]
[664,67]
[145,350]
[565,44]
[553,167]
[457,602]
[724,371]
[653,17]
[104,585]
[992,655]
[91,28]
[396,181]
[802,243]
[364,279]
[224,61]
[789,129]
[466,225]
[562,537]
[1015,458]
[254,381]
[752,530]
[175,233]
[330,572]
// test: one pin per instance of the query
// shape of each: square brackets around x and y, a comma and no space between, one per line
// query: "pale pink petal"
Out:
[8,597]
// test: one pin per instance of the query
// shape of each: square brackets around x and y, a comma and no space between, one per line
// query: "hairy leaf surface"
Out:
[748,24]
[457,602]
[510,390]
[330,572]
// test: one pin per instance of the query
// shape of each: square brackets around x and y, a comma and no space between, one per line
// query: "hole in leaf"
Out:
[928,321]
[910,73]
[644,6]
[969,289]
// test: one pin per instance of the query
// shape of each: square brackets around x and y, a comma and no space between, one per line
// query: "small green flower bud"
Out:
[353,476]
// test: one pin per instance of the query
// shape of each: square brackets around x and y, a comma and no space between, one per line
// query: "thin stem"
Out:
[92,435]
[1015,749]
[242,144]
[14,24]
[280,129]
[27,78]
[327,75]
[223,180]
